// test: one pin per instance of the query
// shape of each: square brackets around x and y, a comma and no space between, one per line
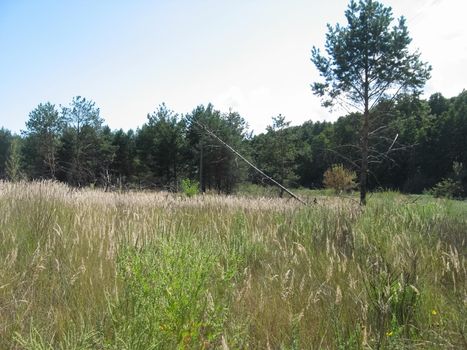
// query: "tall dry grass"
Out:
[93,270]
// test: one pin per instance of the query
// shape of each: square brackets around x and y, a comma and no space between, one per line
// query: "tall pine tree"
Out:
[366,61]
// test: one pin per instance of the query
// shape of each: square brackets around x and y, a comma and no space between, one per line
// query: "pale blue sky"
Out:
[251,55]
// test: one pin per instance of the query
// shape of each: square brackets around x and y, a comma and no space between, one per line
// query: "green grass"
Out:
[94,270]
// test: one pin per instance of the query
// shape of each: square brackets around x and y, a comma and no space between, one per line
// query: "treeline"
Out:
[414,144]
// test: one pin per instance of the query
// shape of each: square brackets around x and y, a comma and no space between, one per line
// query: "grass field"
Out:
[93,270]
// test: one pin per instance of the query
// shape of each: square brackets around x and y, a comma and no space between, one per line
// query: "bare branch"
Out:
[342,156]
[377,130]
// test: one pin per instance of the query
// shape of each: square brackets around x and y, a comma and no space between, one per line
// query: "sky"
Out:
[252,56]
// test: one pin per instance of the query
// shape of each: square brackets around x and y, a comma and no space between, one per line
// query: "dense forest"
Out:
[415,144]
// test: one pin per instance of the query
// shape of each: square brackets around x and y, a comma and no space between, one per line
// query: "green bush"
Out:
[190,188]
[166,301]
[452,186]
[447,188]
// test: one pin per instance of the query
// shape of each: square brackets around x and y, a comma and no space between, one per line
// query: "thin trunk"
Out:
[364,145]
[175,174]
[365,132]
[364,167]
[201,182]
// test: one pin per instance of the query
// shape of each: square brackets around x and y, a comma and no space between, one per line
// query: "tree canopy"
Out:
[170,147]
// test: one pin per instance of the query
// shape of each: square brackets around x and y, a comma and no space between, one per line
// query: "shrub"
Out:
[167,300]
[190,188]
[447,188]
[452,186]
[339,178]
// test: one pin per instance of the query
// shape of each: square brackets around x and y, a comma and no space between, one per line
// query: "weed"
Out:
[140,270]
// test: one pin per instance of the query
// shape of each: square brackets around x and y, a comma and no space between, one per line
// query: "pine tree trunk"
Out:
[364,150]
[364,136]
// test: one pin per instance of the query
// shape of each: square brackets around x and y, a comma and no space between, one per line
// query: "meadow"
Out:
[87,269]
